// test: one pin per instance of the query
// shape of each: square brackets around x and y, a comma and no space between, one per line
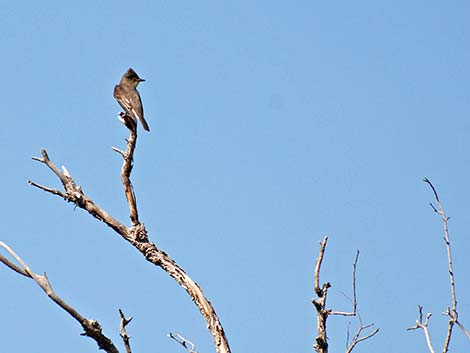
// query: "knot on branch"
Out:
[138,232]
[321,345]
[74,194]
[92,328]
[320,292]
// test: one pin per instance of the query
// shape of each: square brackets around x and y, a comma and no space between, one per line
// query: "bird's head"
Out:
[131,77]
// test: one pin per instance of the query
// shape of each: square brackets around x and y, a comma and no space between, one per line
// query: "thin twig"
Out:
[424,326]
[354,301]
[465,332]
[125,337]
[188,345]
[45,188]
[357,337]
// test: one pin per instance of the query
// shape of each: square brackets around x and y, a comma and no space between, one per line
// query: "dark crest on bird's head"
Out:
[132,75]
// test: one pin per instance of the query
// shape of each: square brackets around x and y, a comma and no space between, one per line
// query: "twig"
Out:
[357,337]
[91,327]
[424,326]
[354,301]
[465,332]
[188,345]
[125,337]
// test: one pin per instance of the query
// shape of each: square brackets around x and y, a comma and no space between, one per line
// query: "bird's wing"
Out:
[138,110]
[124,102]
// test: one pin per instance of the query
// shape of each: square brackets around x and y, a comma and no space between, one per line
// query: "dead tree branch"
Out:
[357,337]
[91,328]
[125,337]
[424,326]
[136,234]
[321,340]
[321,345]
[126,169]
[188,345]
[452,312]
[354,300]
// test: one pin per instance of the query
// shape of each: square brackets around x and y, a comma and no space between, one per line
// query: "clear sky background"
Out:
[272,125]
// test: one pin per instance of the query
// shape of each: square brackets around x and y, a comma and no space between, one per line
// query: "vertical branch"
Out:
[354,283]
[321,340]
[452,314]
[318,266]
[127,165]
[123,332]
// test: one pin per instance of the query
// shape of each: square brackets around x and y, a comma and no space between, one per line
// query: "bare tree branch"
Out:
[92,328]
[451,313]
[126,169]
[357,337]
[74,194]
[424,326]
[125,337]
[188,345]
[465,332]
[354,301]
[136,234]
[321,339]
[13,266]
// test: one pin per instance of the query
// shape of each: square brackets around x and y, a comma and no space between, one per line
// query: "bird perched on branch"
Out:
[129,98]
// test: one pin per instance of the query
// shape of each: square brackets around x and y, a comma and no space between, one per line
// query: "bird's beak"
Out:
[141,80]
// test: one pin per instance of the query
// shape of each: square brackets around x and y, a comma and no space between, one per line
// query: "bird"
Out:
[128,97]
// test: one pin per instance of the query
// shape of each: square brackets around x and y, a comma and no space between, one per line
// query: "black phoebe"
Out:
[129,98]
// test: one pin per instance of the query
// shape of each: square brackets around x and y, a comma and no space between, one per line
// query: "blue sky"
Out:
[272,124]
